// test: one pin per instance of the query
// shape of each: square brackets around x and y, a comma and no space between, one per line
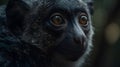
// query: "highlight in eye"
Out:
[83,19]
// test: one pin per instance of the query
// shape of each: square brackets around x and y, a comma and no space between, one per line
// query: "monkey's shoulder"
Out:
[15,54]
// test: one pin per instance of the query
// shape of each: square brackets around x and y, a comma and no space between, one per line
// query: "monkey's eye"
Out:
[83,19]
[57,20]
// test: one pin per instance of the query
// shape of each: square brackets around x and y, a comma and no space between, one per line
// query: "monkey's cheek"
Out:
[71,51]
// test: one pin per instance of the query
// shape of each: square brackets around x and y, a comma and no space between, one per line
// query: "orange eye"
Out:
[57,20]
[83,20]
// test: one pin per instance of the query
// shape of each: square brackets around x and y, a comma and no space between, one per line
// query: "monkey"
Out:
[45,33]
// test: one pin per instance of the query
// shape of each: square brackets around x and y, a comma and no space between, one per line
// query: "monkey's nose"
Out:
[79,41]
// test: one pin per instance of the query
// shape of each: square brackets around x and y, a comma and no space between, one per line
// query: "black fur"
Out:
[28,39]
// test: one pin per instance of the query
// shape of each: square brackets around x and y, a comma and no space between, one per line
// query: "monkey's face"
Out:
[62,27]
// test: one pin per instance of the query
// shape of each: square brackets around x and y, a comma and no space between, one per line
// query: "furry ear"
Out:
[15,12]
[90,5]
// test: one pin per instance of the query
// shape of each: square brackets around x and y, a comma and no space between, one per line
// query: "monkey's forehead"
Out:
[62,3]
[66,5]
[71,4]
[76,3]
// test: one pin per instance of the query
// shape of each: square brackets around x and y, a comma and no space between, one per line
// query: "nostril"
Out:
[76,40]
[79,40]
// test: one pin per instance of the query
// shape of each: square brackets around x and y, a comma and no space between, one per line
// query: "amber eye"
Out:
[83,20]
[57,20]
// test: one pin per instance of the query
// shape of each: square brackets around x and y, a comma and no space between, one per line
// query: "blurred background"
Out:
[106,21]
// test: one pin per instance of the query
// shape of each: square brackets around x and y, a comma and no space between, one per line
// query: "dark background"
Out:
[106,21]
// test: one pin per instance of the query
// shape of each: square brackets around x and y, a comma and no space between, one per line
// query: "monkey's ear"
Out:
[15,12]
[90,5]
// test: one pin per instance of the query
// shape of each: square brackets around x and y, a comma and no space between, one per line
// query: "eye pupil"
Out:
[57,20]
[83,20]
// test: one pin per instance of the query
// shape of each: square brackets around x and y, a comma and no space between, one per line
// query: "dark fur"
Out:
[28,40]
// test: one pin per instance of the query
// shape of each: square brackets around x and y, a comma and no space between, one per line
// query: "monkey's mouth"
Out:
[70,50]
